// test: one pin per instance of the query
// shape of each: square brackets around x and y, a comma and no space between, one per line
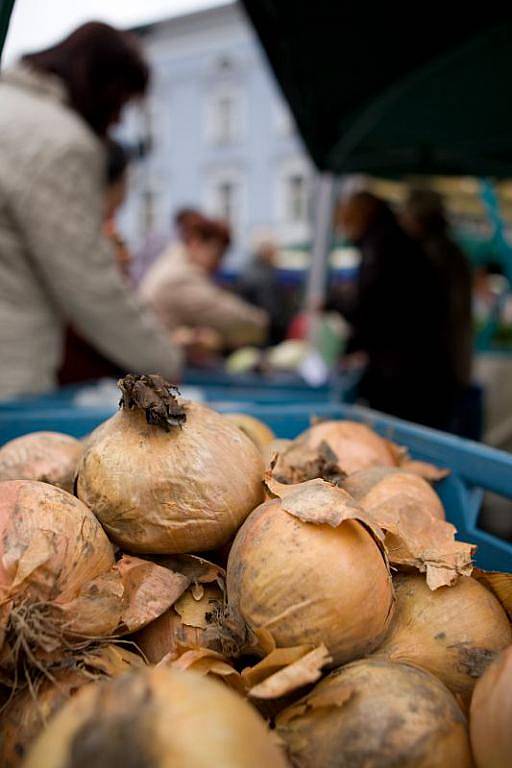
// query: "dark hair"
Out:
[117,161]
[102,68]
[211,230]
[185,219]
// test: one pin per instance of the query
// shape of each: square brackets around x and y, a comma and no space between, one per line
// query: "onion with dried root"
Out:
[50,457]
[158,717]
[453,632]
[308,569]
[60,586]
[165,477]
[30,710]
[491,715]
[351,446]
[375,714]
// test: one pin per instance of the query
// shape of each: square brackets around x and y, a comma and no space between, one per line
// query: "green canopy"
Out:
[6,7]
[388,91]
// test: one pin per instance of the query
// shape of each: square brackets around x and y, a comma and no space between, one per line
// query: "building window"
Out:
[224,119]
[225,194]
[226,200]
[296,199]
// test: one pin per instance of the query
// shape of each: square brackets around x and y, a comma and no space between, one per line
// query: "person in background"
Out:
[397,327]
[180,288]
[81,360]
[259,285]
[57,268]
[424,218]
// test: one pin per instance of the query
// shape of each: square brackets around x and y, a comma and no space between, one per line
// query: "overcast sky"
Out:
[37,23]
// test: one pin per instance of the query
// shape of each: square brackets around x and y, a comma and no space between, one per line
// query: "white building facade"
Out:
[222,138]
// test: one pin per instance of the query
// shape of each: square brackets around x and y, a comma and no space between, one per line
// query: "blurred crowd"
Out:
[73,308]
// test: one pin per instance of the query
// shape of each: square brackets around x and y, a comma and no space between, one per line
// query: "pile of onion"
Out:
[30,710]
[60,586]
[308,569]
[47,456]
[453,632]
[156,717]
[163,477]
[491,715]
[374,714]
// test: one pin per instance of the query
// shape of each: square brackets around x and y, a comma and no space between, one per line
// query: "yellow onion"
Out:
[256,430]
[375,714]
[355,445]
[491,715]
[60,586]
[51,545]
[47,456]
[167,478]
[157,717]
[377,485]
[305,570]
[453,632]
[29,711]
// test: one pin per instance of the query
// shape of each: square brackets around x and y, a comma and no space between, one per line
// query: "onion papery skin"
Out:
[28,712]
[306,583]
[377,485]
[50,457]
[175,631]
[50,542]
[355,445]
[51,546]
[491,715]
[160,718]
[167,492]
[453,632]
[376,714]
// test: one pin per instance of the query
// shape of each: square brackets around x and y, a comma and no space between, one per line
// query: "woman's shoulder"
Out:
[35,115]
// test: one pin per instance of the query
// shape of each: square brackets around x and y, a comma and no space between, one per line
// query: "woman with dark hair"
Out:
[56,265]
[180,289]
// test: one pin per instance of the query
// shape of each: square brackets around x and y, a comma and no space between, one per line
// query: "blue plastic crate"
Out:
[474,467]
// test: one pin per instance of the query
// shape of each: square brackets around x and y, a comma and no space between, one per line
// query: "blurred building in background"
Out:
[219,134]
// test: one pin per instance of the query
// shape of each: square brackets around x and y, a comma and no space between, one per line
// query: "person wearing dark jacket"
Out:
[397,318]
[424,218]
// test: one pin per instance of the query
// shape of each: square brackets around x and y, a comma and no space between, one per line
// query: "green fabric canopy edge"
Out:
[6,7]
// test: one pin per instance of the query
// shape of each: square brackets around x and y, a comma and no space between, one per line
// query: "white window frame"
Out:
[291,230]
[215,179]
[213,131]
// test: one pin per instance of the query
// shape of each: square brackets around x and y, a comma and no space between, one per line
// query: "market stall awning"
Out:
[389,91]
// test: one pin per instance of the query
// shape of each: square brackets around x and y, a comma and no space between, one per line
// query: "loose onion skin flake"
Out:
[305,570]
[376,714]
[50,457]
[453,632]
[491,715]
[160,718]
[166,478]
